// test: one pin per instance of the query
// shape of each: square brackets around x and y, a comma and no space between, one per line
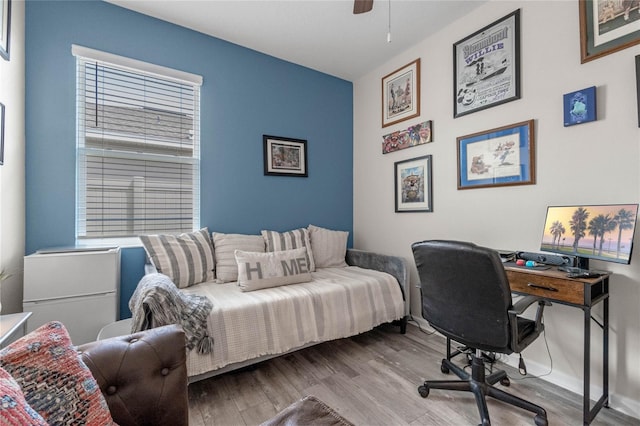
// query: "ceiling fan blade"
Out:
[362,6]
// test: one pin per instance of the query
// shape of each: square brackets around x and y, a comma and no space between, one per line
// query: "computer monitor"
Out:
[602,232]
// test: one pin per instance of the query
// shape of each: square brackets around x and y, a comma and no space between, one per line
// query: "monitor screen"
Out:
[602,232]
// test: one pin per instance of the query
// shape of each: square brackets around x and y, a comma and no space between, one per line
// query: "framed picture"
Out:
[607,27]
[497,157]
[580,106]
[401,94]
[285,156]
[1,134]
[638,85]
[413,136]
[5,27]
[486,66]
[413,185]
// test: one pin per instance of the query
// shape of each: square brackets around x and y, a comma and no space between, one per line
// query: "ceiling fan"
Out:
[362,6]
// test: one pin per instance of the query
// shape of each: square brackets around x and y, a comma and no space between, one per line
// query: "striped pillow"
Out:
[278,241]
[186,258]
[329,247]
[224,247]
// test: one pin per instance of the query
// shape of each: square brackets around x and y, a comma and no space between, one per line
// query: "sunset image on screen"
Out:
[599,232]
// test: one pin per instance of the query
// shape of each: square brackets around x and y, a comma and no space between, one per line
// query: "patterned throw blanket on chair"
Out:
[157,302]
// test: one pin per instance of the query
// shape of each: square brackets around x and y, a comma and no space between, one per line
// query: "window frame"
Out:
[84,55]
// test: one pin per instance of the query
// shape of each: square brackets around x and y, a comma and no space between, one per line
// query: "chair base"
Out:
[482,386]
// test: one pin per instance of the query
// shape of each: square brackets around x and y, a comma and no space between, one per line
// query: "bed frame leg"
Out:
[403,325]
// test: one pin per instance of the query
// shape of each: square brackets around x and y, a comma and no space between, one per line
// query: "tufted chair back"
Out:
[143,376]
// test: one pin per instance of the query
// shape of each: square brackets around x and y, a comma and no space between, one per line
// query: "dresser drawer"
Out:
[563,290]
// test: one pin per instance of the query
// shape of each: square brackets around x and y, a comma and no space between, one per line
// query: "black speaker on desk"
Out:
[547,259]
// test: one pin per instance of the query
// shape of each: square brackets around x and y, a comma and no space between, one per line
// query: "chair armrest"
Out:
[143,376]
[393,265]
[518,309]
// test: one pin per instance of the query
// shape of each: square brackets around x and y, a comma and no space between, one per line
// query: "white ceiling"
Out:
[320,34]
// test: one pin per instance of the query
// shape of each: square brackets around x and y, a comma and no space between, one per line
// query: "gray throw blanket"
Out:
[157,302]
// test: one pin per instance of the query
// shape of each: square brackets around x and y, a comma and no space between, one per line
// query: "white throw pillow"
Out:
[224,247]
[297,238]
[329,247]
[272,269]
[186,258]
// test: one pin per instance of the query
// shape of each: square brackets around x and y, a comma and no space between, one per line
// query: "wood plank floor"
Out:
[372,379]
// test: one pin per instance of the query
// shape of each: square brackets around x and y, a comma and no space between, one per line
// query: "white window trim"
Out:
[136,66]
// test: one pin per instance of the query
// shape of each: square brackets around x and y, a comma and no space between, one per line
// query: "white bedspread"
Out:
[337,303]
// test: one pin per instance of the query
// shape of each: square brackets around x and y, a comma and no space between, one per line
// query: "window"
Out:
[138,148]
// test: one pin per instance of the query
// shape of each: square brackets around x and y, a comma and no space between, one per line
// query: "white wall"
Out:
[12,214]
[592,163]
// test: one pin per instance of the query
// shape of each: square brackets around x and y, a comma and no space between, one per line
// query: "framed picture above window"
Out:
[285,156]
[498,157]
[401,94]
[5,27]
[607,27]
[486,66]
[413,186]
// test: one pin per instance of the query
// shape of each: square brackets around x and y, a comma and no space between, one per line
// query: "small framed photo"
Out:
[486,66]
[5,27]
[580,106]
[498,157]
[1,134]
[607,27]
[401,94]
[285,156]
[413,136]
[413,186]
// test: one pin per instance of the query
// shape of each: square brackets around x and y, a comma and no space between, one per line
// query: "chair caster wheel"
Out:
[444,368]
[423,391]
[505,382]
[540,420]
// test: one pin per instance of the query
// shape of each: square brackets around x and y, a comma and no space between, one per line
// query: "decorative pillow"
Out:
[53,378]
[329,247]
[14,409]
[263,270]
[186,258]
[277,241]
[225,246]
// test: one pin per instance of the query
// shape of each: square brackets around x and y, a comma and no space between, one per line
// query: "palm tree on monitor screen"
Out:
[578,224]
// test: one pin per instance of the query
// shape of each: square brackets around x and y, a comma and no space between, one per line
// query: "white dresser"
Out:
[78,287]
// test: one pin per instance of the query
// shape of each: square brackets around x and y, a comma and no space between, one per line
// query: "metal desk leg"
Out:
[586,381]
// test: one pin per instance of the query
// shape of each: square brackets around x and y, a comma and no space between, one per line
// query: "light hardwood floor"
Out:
[372,379]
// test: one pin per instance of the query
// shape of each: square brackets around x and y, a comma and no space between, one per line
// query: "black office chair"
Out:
[466,297]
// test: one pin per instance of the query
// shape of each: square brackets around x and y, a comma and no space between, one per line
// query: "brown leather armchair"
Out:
[143,376]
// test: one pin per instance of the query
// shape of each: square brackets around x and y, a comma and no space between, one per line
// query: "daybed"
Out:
[343,292]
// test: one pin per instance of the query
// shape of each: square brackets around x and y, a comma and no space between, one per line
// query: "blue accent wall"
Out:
[245,94]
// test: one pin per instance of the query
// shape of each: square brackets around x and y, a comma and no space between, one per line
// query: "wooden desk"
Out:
[582,293]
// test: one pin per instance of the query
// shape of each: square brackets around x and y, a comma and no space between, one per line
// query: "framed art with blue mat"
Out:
[498,157]
[580,106]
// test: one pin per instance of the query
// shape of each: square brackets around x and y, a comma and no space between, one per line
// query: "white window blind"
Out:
[138,147]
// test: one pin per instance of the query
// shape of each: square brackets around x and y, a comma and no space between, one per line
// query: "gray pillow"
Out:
[277,241]
[225,245]
[329,247]
[186,258]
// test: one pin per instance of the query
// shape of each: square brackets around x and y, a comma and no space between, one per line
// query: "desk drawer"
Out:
[563,290]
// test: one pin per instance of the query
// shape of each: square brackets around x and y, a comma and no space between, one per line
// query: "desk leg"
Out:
[588,413]
[586,381]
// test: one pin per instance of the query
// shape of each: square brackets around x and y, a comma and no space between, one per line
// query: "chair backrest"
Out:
[465,293]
